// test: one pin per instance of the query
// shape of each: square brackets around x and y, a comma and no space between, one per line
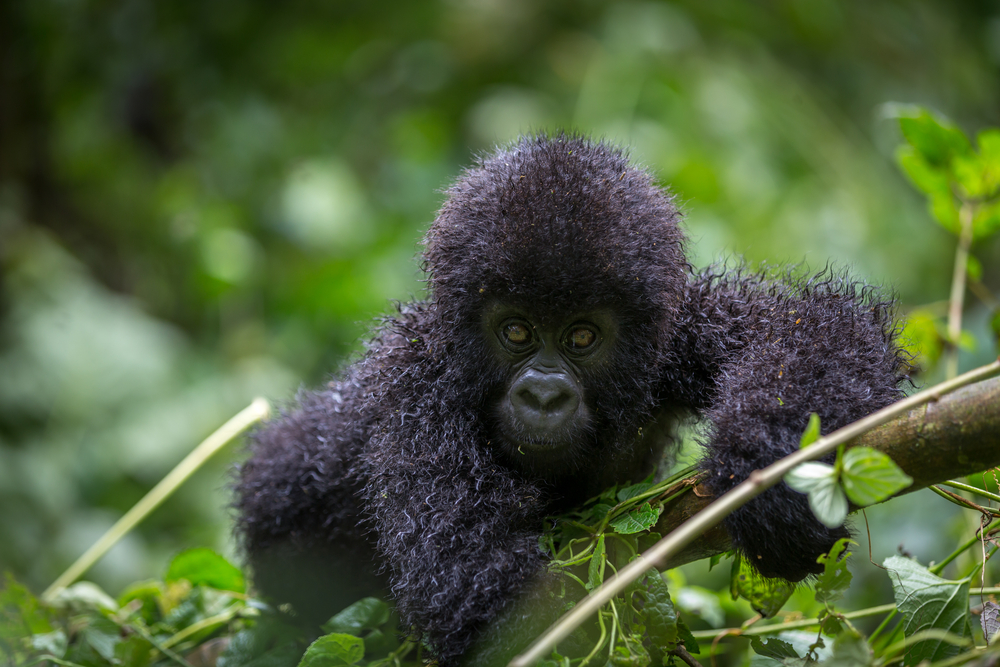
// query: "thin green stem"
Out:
[758,630]
[962,501]
[937,568]
[250,415]
[956,302]
[884,624]
[935,634]
[972,489]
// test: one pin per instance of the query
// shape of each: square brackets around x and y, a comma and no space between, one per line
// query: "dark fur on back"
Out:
[388,477]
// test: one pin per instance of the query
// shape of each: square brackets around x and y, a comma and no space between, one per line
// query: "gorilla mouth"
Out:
[536,445]
[541,454]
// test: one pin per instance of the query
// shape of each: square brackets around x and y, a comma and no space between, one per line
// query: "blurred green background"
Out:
[201,202]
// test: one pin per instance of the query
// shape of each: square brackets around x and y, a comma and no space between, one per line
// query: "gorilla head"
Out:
[557,266]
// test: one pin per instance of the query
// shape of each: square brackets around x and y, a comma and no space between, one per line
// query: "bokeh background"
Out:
[201,202]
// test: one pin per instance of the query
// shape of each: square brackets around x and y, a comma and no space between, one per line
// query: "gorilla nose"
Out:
[543,401]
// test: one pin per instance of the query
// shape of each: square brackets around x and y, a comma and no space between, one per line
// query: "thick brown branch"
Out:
[955,436]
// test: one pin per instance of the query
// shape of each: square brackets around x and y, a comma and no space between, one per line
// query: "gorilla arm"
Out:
[459,532]
[770,352]
[298,508]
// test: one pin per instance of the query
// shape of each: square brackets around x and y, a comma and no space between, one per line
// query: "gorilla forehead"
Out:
[561,221]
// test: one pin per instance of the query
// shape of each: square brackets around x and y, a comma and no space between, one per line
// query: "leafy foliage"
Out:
[197,615]
[930,602]
[863,475]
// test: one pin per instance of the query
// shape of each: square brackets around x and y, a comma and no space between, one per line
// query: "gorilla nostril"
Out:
[555,402]
[528,398]
[544,399]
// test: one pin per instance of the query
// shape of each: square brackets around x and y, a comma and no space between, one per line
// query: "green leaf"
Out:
[20,611]
[84,595]
[631,654]
[150,593]
[204,567]
[333,650]
[929,180]
[829,504]
[835,578]
[966,340]
[599,512]
[995,324]
[986,220]
[850,649]
[595,571]
[661,617]
[826,498]
[801,643]
[633,491]
[870,476]
[944,209]
[648,540]
[368,618]
[773,648]
[766,596]
[974,268]
[811,433]
[268,643]
[922,338]
[102,634]
[641,518]
[53,643]
[367,613]
[935,139]
[135,651]
[989,154]
[685,638]
[969,175]
[717,558]
[928,601]
[990,621]
[810,475]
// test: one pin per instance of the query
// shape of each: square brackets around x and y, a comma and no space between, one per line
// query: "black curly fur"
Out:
[393,475]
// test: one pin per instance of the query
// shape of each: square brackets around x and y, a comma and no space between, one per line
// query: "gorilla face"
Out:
[545,415]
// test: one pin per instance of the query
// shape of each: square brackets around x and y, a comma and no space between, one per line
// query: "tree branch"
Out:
[955,436]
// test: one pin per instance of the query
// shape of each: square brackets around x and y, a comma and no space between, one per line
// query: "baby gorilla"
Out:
[563,336]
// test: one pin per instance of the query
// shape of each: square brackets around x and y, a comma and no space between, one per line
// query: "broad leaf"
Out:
[595,571]
[935,139]
[928,601]
[641,518]
[661,617]
[102,634]
[811,433]
[870,476]
[826,498]
[929,180]
[835,579]
[365,614]
[765,595]
[990,620]
[204,567]
[849,650]
[333,650]
[810,475]
[633,491]
[773,648]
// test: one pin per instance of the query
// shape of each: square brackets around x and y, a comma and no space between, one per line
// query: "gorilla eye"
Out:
[581,338]
[517,334]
